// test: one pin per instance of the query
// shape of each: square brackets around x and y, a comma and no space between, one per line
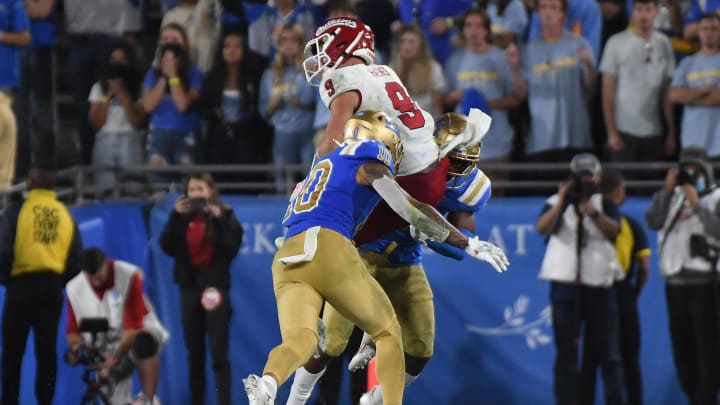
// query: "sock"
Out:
[376,396]
[271,383]
[376,393]
[302,386]
[148,399]
[409,378]
[367,340]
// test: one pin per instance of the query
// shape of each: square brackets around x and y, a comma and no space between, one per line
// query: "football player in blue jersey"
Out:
[395,262]
[318,260]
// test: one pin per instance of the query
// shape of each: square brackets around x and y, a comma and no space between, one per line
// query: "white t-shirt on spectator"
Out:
[437,83]
[117,120]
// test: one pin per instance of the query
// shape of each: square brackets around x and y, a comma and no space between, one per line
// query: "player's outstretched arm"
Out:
[426,218]
[341,109]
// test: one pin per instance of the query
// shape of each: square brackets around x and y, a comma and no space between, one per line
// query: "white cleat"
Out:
[258,391]
[363,356]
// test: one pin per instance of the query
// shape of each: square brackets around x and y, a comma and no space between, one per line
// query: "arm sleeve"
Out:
[20,22]
[8,225]
[641,247]
[230,233]
[150,79]
[657,213]
[608,62]
[611,209]
[448,250]
[451,71]
[72,324]
[134,304]
[710,219]
[96,93]
[680,75]
[196,78]
[173,234]
[694,13]
[591,21]
[72,263]
[265,88]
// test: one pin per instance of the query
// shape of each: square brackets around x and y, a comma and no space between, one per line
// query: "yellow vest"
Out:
[44,234]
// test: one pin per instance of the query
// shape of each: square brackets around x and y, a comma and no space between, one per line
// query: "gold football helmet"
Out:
[463,158]
[374,125]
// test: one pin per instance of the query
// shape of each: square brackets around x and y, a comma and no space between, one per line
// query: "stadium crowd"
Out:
[224,83]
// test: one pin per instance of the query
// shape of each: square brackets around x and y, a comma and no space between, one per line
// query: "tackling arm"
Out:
[341,109]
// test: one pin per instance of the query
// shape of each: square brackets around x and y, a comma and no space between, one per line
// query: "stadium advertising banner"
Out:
[494,341]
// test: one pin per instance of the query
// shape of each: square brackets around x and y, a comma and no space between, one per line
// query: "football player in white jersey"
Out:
[341,62]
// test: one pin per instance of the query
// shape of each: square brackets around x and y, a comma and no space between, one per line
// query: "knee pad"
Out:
[145,345]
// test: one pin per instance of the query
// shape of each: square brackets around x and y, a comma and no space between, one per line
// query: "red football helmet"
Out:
[333,41]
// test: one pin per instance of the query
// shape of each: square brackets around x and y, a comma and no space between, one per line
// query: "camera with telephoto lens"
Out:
[580,189]
[117,71]
[176,49]
[90,354]
[197,205]
[685,176]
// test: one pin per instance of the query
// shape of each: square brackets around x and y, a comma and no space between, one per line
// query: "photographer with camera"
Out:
[687,213]
[203,235]
[581,266]
[112,289]
[116,115]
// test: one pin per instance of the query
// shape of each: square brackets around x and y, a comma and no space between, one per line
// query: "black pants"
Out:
[694,333]
[35,106]
[597,309]
[630,343]
[31,302]
[196,322]
[629,330]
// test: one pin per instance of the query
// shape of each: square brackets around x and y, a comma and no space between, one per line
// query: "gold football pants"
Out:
[412,299]
[337,275]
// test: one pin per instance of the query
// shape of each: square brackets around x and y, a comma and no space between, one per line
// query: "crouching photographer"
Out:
[581,266]
[687,214]
[203,235]
[112,290]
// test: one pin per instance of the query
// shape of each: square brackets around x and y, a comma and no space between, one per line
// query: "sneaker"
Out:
[322,335]
[363,356]
[257,391]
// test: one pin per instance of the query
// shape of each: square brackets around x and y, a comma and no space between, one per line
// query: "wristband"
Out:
[174,81]
[450,22]
[105,99]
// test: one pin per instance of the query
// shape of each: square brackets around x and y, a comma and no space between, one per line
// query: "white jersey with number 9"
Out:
[380,89]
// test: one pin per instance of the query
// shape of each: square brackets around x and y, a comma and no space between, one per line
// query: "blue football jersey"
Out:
[472,194]
[330,196]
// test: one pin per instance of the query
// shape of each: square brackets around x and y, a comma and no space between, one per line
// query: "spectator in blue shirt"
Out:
[265,22]
[509,21]
[696,86]
[697,9]
[170,89]
[484,68]
[288,102]
[560,70]
[582,17]
[436,17]
[36,98]
[14,33]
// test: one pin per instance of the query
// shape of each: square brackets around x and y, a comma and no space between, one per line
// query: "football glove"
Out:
[487,252]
